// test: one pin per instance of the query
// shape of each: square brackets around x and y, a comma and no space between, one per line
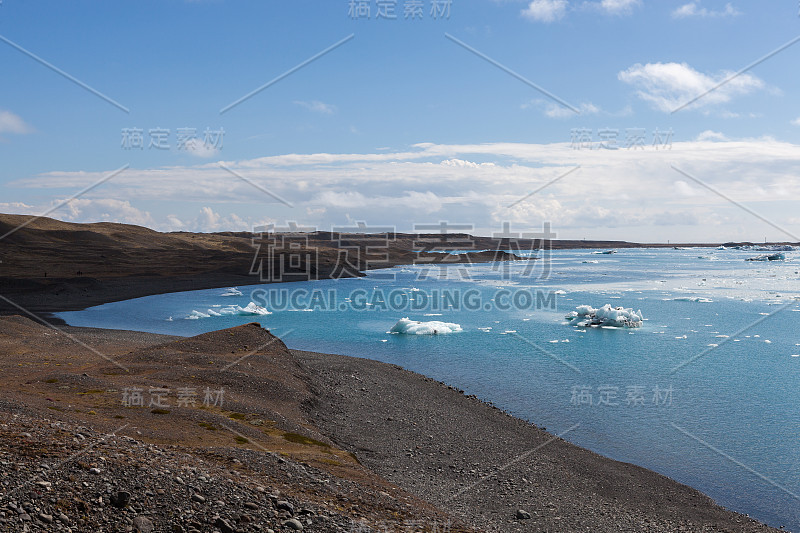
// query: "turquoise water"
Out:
[723,419]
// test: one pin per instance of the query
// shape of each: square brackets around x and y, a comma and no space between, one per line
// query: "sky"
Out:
[610,119]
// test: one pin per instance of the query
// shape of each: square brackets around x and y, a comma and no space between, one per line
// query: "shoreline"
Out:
[459,455]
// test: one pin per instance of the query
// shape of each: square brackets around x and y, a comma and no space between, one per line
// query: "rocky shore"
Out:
[302,441]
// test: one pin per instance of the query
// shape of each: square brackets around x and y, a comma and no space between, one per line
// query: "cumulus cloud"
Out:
[11,123]
[545,10]
[103,210]
[796,121]
[198,148]
[668,86]
[617,7]
[693,10]
[710,135]
[317,107]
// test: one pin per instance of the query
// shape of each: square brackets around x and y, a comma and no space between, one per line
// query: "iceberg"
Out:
[779,256]
[606,316]
[406,326]
[232,291]
[250,309]
[697,299]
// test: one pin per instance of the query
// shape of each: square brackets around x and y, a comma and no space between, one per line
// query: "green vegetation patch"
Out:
[302,439]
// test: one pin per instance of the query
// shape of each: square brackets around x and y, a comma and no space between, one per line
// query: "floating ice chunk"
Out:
[586,315]
[433,314]
[779,256]
[232,310]
[560,292]
[768,341]
[682,337]
[196,315]
[406,326]
[697,299]
[232,291]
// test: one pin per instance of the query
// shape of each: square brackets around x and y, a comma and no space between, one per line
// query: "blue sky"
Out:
[401,124]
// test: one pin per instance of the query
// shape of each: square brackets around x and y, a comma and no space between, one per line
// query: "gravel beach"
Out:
[303,440]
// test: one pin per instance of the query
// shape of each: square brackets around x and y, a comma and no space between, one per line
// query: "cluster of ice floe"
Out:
[250,309]
[606,316]
[406,326]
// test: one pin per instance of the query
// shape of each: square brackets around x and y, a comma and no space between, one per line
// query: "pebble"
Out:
[120,499]
[198,498]
[143,524]
[283,505]
[293,524]
[46,518]
[224,526]
[523,515]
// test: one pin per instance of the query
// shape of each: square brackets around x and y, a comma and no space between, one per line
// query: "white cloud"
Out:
[618,7]
[611,196]
[668,86]
[199,148]
[545,10]
[693,9]
[317,107]
[559,111]
[11,123]
[103,210]
[710,135]
[796,121]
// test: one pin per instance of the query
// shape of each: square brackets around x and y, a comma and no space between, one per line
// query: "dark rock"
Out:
[523,515]
[293,524]
[121,499]
[224,526]
[283,505]
[142,524]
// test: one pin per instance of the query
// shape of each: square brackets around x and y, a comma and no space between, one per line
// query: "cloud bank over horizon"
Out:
[625,194]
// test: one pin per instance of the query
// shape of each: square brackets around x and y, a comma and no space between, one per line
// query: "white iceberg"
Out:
[406,326]
[606,316]
[250,309]
[232,291]
[697,299]
[778,256]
